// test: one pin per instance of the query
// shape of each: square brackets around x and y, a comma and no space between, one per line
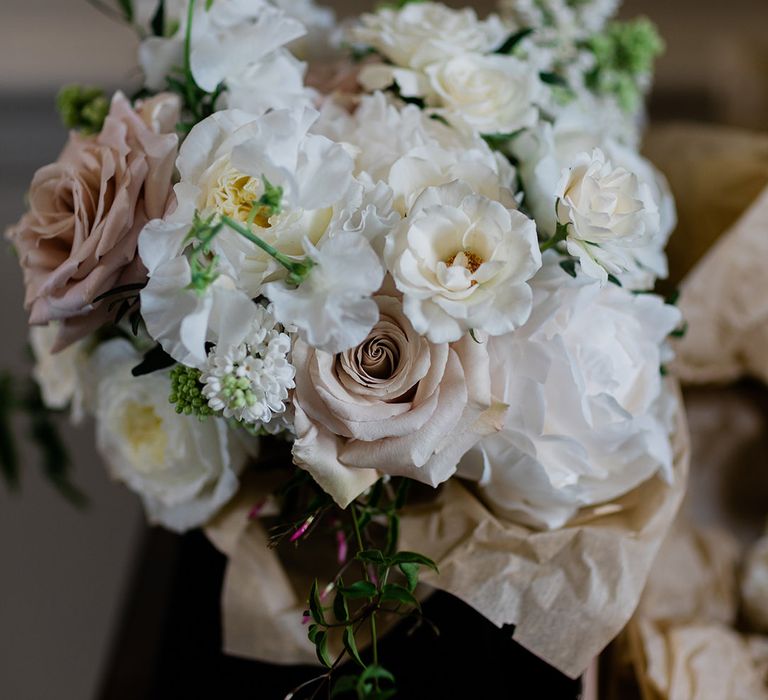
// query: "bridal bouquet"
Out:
[410,249]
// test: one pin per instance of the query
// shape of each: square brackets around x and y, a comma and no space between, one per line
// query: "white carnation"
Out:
[184,469]
[590,413]
[462,262]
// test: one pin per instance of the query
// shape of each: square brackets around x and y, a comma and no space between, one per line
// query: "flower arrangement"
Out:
[415,248]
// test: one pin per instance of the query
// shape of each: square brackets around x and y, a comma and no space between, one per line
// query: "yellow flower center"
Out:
[143,431]
[467,259]
[237,195]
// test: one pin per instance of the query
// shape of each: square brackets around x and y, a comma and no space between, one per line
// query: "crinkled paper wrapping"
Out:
[569,592]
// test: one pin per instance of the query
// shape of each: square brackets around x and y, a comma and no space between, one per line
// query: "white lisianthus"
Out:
[463,262]
[423,33]
[607,212]
[590,414]
[333,307]
[486,94]
[227,39]
[184,469]
[58,374]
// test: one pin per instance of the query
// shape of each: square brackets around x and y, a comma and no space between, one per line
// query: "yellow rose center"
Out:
[467,259]
[143,431]
[237,196]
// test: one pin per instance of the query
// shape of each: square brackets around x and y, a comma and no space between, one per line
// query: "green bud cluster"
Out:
[187,394]
[83,108]
[624,54]
[237,391]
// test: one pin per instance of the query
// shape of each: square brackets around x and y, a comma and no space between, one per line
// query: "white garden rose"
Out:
[423,33]
[590,414]
[486,94]
[183,469]
[607,212]
[463,262]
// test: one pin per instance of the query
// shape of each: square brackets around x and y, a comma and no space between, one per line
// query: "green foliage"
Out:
[624,54]
[126,7]
[509,46]
[26,402]
[154,360]
[187,392]
[270,203]
[83,108]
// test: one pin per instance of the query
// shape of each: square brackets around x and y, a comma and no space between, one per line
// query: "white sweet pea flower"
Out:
[333,307]
[227,39]
[463,262]
[607,212]
[590,415]
[487,94]
[183,469]
[322,38]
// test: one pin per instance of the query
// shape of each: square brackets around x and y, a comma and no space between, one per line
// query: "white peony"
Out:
[463,262]
[486,94]
[423,33]
[544,152]
[333,307]
[184,469]
[607,212]
[227,39]
[589,412]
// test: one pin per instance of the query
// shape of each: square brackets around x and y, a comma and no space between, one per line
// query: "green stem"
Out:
[191,84]
[374,640]
[284,260]
[561,233]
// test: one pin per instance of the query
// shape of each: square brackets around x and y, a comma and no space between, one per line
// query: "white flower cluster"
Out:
[434,274]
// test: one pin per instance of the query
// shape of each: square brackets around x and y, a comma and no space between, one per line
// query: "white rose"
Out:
[58,374]
[590,415]
[607,211]
[488,94]
[544,152]
[184,469]
[462,262]
[427,32]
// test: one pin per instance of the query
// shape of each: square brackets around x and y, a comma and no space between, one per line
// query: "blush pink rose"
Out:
[86,210]
[396,404]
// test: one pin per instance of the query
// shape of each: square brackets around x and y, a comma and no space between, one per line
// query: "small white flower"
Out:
[575,19]
[332,307]
[488,94]
[462,262]
[183,469]
[250,382]
[608,212]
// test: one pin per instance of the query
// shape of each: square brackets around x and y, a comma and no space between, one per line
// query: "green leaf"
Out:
[553,79]
[511,44]
[396,593]
[414,558]
[340,608]
[158,21]
[315,606]
[366,686]
[411,573]
[345,684]
[359,589]
[351,646]
[615,280]
[372,556]
[154,360]
[312,632]
[127,7]
[569,266]
[321,649]
[680,332]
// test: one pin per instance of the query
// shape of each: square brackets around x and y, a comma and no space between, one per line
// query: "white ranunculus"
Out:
[543,153]
[58,374]
[333,307]
[487,94]
[607,212]
[183,469]
[463,262]
[590,414]
[227,39]
[423,33]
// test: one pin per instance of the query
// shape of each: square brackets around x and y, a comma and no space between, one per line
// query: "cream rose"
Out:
[462,262]
[607,211]
[396,404]
[487,94]
[79,237]
[184,469]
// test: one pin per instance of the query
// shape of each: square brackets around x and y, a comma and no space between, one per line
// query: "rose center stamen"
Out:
[466,259]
